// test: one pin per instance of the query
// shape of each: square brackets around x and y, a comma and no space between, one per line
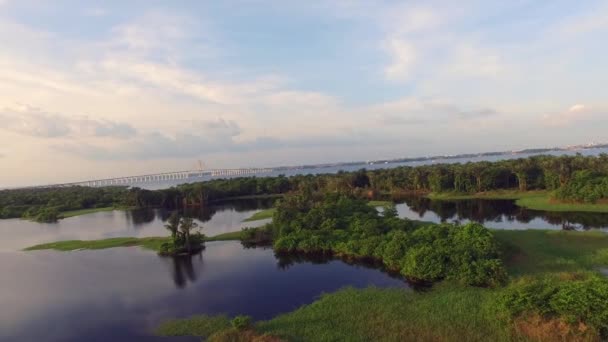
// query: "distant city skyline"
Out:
[93,90]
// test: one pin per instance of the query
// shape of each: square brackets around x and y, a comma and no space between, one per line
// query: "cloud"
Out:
[209,137]
[32,121]
[414,111]
[403,59]
[575,114]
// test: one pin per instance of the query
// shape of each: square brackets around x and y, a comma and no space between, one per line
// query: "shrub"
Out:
[241,322]
[424,263]
[575,301]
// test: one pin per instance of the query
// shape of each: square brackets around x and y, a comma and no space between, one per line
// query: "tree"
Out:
[173,224]
[187,224]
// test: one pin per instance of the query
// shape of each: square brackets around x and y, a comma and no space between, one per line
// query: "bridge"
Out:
[184,176]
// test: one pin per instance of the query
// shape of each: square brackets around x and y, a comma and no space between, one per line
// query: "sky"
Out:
[96,89]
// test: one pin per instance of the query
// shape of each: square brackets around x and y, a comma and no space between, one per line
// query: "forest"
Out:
[578,179]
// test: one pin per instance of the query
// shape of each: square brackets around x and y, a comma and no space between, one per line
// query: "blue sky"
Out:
[99,89]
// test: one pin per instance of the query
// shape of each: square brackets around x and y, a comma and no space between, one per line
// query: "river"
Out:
[121,294]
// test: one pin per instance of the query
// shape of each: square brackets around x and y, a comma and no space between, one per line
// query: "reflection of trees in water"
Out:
[183,271]
[287,260]
[503,211]
[141,216]
[205,213]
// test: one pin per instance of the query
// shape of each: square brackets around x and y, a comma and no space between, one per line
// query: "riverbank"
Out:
[535,200]
[72,213]
[261,215]
[151,243]
[449,311]
[268,213]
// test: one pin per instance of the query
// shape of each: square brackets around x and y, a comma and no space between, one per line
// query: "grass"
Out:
[261,215]
[73,213]
[547,204]
[448,312]
[379,203]
[268,213]
[201,325]
[151,243]
[535,200]
[498,194]
[535,252]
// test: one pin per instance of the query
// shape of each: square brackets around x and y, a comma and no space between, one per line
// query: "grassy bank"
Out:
[498,194]
[548,204]
[537,252]
[151,243]
[448,312]
[268,213]
[73,213]
[261,215]
[536,200]
[379,203]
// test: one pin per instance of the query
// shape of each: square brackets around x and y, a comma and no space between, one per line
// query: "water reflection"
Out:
[503,214]
[216,218]
[184,271]
[121,294]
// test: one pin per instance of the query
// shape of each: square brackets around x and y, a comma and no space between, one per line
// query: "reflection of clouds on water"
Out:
[122,293]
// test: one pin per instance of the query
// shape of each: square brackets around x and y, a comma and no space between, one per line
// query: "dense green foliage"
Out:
[348,227]
[583,299]
[585,186]
[241,322]
[185,236]
[45,205]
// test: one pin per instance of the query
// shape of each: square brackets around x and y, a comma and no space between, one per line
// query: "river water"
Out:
[121,294]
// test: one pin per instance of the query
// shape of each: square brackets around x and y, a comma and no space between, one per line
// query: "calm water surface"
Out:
[498,214]
[121,294]
[16,234]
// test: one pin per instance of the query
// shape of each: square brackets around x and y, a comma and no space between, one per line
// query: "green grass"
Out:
[379,203]
[545,203]
[498,194]
[536,200]
[73,213]
[268,213]
[151,243]
[447,313]
[225,237]
[201,325]
[535,252]
[261,215]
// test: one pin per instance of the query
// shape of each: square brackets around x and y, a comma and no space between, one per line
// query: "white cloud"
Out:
[403,59]
[574,115]
[32,121]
